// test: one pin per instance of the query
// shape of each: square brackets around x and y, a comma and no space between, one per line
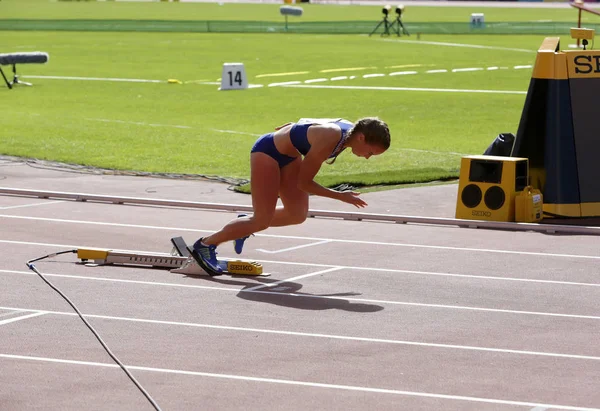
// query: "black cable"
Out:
[115,359]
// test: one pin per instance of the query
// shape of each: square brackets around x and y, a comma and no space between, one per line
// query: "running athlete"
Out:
[283,165]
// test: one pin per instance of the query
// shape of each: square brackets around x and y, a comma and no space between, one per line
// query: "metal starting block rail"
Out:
[350,216]
[177,263]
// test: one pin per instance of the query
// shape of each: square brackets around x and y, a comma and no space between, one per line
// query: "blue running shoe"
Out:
[206,257]
[238,244]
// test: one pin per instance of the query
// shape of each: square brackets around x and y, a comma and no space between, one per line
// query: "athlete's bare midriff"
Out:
[283,143]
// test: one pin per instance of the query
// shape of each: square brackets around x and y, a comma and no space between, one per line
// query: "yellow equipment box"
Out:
[528,205]
[488,185]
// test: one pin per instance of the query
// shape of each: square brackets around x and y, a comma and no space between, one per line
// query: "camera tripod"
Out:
[386,27]
[400,26]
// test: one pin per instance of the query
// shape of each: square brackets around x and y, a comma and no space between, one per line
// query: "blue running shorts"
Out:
[265,144]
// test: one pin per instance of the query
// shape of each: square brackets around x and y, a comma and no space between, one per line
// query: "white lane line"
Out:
[320,335]
[236,132]
[523,67]
[119,280]
[372,390]
[436,90]
[32,205]
[292,73]
[338,78]
[402,73]
[460,70]
[22,317]
[436,71]
[137,123]
[345,298]
[347,69]
[335,240]
[434,152]
[407,65]
[284,83]
[384,270]
[474,46]
[289,280]
[293,248]
[11,313]
[373,75]
[315,80]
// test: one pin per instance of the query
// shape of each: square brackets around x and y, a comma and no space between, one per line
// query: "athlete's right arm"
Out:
[312,162]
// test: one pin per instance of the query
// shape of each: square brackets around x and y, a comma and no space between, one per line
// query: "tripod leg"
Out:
[16,77]
[397,29]
[403,28]
[5,79]
[386,30]
[376,27]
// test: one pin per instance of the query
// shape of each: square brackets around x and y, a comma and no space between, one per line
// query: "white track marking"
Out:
[236,132]
[138,123]
[295,82]
[282,74]
[285,83]
[460,70]
[11,313]
[434,152]
[31,205]
[315,80]
[358,268]
[474,46]
[372,390]
[402,73]
[319,335]
[437,90]
[347,69]
[122,281]
[437,247]
[289,280]
[406,66]
[292,248]
[22,317]
[345,298]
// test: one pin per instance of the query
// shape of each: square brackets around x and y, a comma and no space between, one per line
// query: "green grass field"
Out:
[46,9]
[195,128]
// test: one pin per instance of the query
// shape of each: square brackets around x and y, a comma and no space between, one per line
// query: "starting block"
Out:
[179,261]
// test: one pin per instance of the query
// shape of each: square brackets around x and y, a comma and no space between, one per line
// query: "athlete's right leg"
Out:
[294,200]
[264,186]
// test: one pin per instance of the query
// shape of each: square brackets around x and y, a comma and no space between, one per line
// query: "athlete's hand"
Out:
[352,197]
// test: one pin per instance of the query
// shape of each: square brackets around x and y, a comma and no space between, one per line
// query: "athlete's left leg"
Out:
[295,201]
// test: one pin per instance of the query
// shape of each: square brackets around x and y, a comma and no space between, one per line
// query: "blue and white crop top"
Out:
[299,133]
